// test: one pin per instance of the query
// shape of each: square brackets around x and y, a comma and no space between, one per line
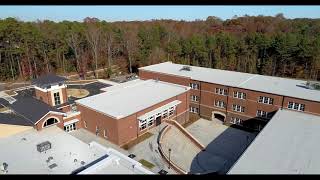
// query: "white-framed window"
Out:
[194,86]
[70,127]
[265,100]
[221,91]
[296,106]
[85,124]
[51,121]
[239,95]
[262,114]
[165,114]
[56,97]
[150,121]
[237,121]
[237,108]
[195,98]
[171,111]
[220,104]
[142,124]
[194,109]
[105,133]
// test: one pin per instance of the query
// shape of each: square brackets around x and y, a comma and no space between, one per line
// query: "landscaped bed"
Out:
[146,163]
[78,93]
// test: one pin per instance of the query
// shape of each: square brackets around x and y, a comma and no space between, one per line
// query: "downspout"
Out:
[227,103]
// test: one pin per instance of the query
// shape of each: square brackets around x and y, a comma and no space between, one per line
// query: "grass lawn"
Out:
[78,93]
[146,163]
[3,109]
[137,141]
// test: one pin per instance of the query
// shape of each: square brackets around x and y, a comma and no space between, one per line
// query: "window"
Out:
[150,121]
[194,109]
[262,114]
[220,104]
[70,127]
[221,91]
[97,130]
[296,106]
[194,86]
[237,108]
[171,111]
[239,95]
[194,98]
[50,122]
[105,133]
[56,98]
[165,114]
[236,121]
[85,124]
[142,124]
[265,100]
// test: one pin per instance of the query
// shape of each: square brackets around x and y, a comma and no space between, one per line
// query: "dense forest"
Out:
[255,44]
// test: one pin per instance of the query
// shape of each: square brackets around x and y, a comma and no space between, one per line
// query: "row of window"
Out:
[194,109]
[237,108]
[296,106]
[144,123]
[239,95]
[220,104]
[237,121]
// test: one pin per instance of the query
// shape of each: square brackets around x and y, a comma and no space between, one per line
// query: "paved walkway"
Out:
[148,150]
[224,145]
[88,137]
[183,150]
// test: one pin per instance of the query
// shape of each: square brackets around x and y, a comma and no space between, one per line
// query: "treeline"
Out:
[255,44]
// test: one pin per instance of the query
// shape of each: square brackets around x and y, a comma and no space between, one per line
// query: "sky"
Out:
[131,13]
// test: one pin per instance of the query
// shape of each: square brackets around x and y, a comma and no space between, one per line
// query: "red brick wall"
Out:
[46,96]
[310,106]
[94,118]
[48,116]
[121,131]
[143,74]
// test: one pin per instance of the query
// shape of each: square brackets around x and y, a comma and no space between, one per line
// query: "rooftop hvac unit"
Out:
[313,85]
[185,68]
[44,146]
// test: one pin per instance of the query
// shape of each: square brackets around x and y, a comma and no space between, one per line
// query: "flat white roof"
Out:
[288,144]
[268,84]
[124,100]
[115,163]
[20,152]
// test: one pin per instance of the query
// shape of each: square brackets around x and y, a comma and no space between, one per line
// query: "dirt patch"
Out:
[11,93]
[78,93]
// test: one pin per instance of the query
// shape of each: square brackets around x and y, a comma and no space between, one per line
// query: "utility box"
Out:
[44,146]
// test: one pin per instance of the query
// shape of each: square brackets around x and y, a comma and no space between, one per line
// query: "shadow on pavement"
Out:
[221,153]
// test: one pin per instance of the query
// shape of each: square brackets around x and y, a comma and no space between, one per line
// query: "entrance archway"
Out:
[51,121]
[218,116]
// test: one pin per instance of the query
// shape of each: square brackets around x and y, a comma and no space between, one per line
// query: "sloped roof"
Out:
[32,109]
[14,119]
[48,79]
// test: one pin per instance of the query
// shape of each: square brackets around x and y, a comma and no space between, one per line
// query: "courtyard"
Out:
[224,146]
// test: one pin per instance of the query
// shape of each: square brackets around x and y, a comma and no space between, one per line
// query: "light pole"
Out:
[169,158]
